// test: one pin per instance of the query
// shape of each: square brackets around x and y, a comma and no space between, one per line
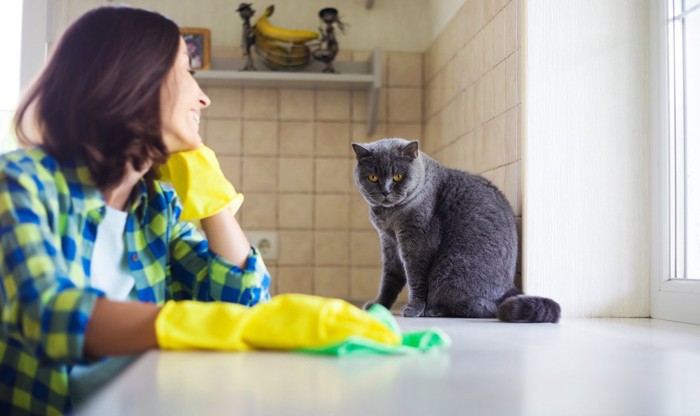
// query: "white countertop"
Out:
[578,367]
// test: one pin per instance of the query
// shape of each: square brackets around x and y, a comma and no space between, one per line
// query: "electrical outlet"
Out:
[266,242]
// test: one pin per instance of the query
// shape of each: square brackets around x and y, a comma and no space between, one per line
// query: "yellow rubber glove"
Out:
[287,322]
[293,321]
[188,325]
[200,184]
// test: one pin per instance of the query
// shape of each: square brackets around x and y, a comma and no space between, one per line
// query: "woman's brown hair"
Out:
[99,95]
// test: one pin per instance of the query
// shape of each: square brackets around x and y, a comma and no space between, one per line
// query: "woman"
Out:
[96,260]
[92,246]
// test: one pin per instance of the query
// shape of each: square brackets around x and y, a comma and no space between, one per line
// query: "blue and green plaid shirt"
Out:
[49,214]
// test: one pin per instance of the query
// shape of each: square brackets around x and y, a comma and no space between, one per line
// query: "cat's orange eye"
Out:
[398,178]
[373,178]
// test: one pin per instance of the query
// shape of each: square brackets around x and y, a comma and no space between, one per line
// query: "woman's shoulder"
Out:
[31,173]
[28,171]
[27,161]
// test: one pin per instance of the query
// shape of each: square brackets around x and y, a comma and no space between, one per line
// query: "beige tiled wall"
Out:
[288,151]
[472,95]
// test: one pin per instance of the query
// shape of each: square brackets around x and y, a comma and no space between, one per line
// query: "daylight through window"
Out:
[684,60]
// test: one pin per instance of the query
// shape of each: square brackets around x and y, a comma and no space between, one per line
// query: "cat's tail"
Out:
[517,307]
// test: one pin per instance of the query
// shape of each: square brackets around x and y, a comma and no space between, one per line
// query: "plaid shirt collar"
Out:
[86,197]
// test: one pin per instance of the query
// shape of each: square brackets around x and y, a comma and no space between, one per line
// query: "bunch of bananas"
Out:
[281,48]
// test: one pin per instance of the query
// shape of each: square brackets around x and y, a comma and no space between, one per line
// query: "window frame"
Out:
[671,298]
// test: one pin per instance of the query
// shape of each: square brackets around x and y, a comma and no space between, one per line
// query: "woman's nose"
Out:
[204,100]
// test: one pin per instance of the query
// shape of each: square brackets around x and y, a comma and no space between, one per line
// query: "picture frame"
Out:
[198,42]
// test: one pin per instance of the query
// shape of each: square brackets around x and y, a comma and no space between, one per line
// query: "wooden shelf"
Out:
[351,75]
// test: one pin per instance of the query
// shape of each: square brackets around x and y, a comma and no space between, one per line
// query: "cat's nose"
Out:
[385,192]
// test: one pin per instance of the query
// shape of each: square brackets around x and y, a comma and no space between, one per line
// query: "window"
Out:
[10,30]
[675,152]
[684,88]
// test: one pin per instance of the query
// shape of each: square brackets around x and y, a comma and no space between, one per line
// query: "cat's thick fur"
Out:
[447,234]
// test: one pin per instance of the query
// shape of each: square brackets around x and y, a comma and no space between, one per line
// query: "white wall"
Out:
[586,140]
[36,24]
[440,12]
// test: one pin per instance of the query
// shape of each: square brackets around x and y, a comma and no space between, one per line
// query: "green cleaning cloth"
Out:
[413,342]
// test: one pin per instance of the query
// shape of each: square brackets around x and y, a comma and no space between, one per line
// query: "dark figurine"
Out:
[248,36]
[329,44]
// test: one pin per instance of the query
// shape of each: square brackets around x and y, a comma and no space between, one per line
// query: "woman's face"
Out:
[181,102]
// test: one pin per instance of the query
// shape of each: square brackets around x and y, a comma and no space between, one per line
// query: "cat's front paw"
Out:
[435,312]
[368,305]
[412,310]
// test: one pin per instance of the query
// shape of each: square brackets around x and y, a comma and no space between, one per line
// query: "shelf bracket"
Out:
[373,91]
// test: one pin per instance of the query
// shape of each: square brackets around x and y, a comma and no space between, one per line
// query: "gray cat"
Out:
[448,234]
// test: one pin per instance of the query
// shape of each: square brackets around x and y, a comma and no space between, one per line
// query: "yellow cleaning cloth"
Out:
[287,322]
[200,184]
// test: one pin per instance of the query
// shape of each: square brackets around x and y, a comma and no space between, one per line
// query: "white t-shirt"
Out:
[109,270]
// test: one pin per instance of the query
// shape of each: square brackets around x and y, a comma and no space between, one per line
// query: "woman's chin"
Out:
[194,143]
[184,145]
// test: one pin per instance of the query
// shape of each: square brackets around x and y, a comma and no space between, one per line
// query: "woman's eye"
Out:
[372,178]
[398,178]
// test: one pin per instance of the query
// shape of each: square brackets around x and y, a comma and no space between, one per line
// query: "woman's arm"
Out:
[207,199]
[226,238]
[120,328]
[224,267]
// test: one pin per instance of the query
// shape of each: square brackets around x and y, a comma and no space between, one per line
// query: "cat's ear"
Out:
[361,151]
[411,150]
